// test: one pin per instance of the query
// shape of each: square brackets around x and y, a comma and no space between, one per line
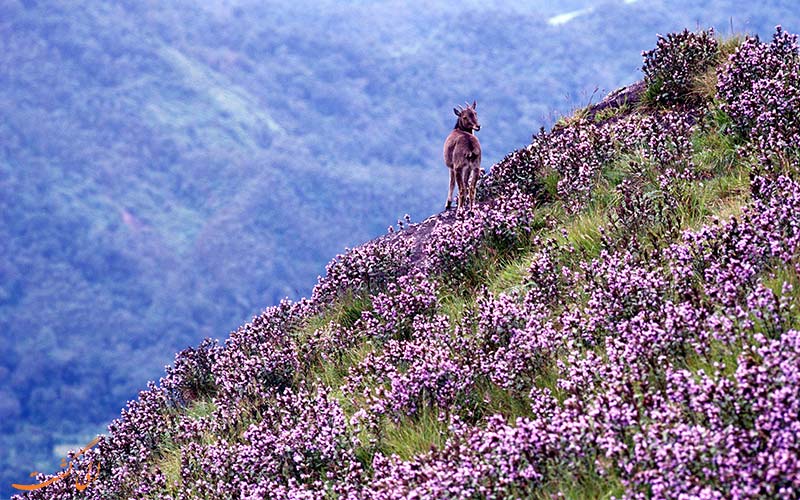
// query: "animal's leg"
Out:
[471,189]
[460,171]
[473,182]
[450,191]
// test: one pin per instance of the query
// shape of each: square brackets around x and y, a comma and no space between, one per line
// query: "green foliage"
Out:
[454,305]
[649,97]
[613,111]
[170,463]
[550,182]
[201,408]
[333,373]
[715,143]
[583,234]
[589,484]
[496,400]
[510,275]
[411,437]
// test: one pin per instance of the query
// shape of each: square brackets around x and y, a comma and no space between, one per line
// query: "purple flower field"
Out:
[617,318]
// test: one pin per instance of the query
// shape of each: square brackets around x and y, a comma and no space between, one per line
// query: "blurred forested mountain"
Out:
[168,169]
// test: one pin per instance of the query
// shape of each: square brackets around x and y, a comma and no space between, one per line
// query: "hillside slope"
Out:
[618,317]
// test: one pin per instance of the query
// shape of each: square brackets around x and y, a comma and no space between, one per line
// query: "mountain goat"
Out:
[462,155]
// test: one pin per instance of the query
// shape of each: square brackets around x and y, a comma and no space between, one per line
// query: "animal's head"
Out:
[467,117]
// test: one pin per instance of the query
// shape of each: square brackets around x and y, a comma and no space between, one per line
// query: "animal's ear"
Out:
[474,104]
[456,111]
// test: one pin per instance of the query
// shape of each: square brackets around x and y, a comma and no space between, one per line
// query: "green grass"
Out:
[611,112]
[583,234]
[201,408]
[577,115]
[345,312]
[589,485]
[454,306]
[550,182]
[648,99]
[415,435]
[168,459]
[511,275]
[705,84]
[715,144]
[169,464]
[333,373]
[496,399]
[781,275]
[720,196]
[725,353]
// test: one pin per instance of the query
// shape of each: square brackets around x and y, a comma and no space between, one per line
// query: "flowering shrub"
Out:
[427,371]
[511,345]
[395,310]
[760,91]
[507,224]
[665,141]
[300,445]
[258,357]
[671,67]
[547,281]
[455,250]
[521,170]
[631,413]
[578,154]
[363,269]
[499,461]
[299,449]
[191,377]
[746,426]
[328,344]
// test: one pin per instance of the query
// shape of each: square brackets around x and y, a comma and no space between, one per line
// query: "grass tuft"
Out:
[414,436]
[705,84]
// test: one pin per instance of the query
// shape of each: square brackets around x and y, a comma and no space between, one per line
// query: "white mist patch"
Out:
[568,16]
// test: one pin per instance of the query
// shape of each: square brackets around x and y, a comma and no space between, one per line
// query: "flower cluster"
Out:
[578,153]
[522,170]
[190,377]
[364,269]
[671,67]
[548,281]
[299,449]
[454,249]
[512,343]
[428,371]
[760,90]
[664,141]
[395,310]
[259,357]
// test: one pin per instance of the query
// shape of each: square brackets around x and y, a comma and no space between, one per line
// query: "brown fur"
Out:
[462,156]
